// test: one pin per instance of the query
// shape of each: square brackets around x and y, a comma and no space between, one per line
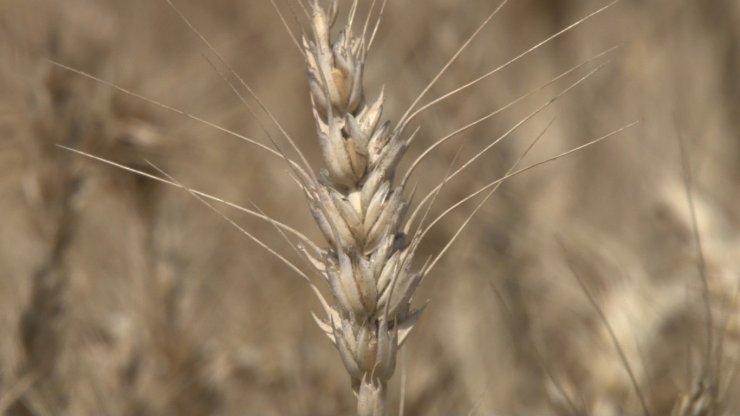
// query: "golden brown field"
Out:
[578,289]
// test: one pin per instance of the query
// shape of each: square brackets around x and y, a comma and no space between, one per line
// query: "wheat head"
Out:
[360,211]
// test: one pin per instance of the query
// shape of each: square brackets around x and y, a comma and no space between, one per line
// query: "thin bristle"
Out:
[406,118]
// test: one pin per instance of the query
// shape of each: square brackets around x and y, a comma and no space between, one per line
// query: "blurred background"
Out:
[123,296]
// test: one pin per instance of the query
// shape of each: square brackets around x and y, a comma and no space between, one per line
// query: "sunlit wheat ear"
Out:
[368,262]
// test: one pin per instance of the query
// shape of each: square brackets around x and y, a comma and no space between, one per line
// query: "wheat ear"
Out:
[368,265]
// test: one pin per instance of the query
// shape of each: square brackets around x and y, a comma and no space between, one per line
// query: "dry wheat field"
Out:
[411,207]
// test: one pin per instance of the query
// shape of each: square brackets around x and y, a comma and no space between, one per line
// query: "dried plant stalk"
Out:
[360,211]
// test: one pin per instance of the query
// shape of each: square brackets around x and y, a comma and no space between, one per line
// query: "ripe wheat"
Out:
[361,212]
[361,207]
[368,264]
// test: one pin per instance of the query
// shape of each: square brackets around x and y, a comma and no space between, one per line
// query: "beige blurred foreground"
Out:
[578,289]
